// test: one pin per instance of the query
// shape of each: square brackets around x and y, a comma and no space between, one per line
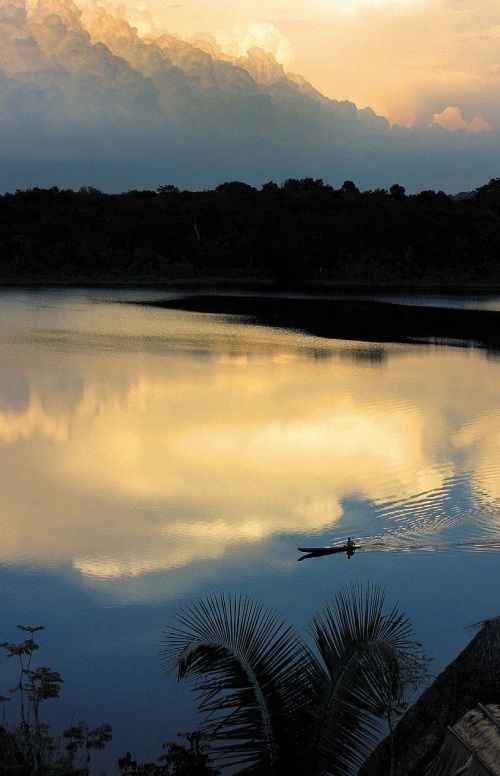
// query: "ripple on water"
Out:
[461,514]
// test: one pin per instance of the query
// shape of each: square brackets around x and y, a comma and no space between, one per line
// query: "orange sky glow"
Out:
[122,94]
[413,61]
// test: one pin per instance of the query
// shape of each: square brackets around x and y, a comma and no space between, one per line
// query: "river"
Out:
[151,456]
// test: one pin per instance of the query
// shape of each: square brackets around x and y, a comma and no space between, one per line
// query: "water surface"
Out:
[151,456]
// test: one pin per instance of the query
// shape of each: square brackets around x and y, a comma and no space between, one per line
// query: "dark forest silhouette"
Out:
[300,231]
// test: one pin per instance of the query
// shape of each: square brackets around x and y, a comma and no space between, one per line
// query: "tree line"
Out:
[303,230]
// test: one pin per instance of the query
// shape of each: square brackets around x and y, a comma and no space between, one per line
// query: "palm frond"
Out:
[355,641]
[247,666]
[273,706]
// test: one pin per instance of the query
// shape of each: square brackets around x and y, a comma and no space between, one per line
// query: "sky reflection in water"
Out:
[149,456]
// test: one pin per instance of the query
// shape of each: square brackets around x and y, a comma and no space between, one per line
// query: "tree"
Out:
[270,187]
[398,682]
[90,191]
[31,746]
[304,184]
[272,704]
[235,187]
[24,651]
[26,747]
[178,760]
[82,738]
[168,190]
[397,191]
[349,187]
[489,195]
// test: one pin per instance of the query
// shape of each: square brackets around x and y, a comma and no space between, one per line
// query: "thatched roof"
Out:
[473,678]
[472,746]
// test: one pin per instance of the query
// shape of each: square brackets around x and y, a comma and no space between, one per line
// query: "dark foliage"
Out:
[273,706]
[177,760]
[27,746]
[303,230]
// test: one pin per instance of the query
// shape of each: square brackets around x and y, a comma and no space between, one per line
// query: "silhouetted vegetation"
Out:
[272,705]
[27,747]
[178,759]
[301,231]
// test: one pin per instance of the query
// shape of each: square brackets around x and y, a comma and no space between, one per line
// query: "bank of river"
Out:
[353,317]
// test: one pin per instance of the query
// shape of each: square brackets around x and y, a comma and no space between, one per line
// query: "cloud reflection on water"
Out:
[164,451]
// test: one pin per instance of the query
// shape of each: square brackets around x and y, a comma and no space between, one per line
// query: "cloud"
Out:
[407,60]
[86,98]
[452,119]
[241,38]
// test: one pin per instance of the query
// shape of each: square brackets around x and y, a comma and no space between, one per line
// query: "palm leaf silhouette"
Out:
[357,644]
[246,663]
[273,705]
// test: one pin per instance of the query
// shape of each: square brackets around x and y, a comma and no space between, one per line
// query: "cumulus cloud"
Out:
[87,98]
[241,38]
[452,119]
[408,60]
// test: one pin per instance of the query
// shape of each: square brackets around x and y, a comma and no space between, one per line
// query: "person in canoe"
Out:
[350,547]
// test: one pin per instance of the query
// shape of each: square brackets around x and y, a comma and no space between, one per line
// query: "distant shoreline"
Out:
[224,284]
[347,311]
[343,317]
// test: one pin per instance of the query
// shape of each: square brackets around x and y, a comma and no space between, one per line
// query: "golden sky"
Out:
[125,95]
[409,60]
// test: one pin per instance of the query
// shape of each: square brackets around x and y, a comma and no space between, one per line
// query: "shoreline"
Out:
[363,319]
[319,288]
[345,311]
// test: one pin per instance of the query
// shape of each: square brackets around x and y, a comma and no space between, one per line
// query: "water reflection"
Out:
[135,441]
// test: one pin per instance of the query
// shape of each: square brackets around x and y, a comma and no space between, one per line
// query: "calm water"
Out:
[148,457]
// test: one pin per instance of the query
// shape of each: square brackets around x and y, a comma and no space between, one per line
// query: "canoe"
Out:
[325,550]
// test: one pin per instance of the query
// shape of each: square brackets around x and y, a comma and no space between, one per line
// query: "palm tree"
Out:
[272,705]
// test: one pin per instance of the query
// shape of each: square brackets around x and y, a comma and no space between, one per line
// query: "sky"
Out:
[409,60]
[138,94]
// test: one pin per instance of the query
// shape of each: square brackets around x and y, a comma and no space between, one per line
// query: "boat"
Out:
[327,550]
[320,552]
